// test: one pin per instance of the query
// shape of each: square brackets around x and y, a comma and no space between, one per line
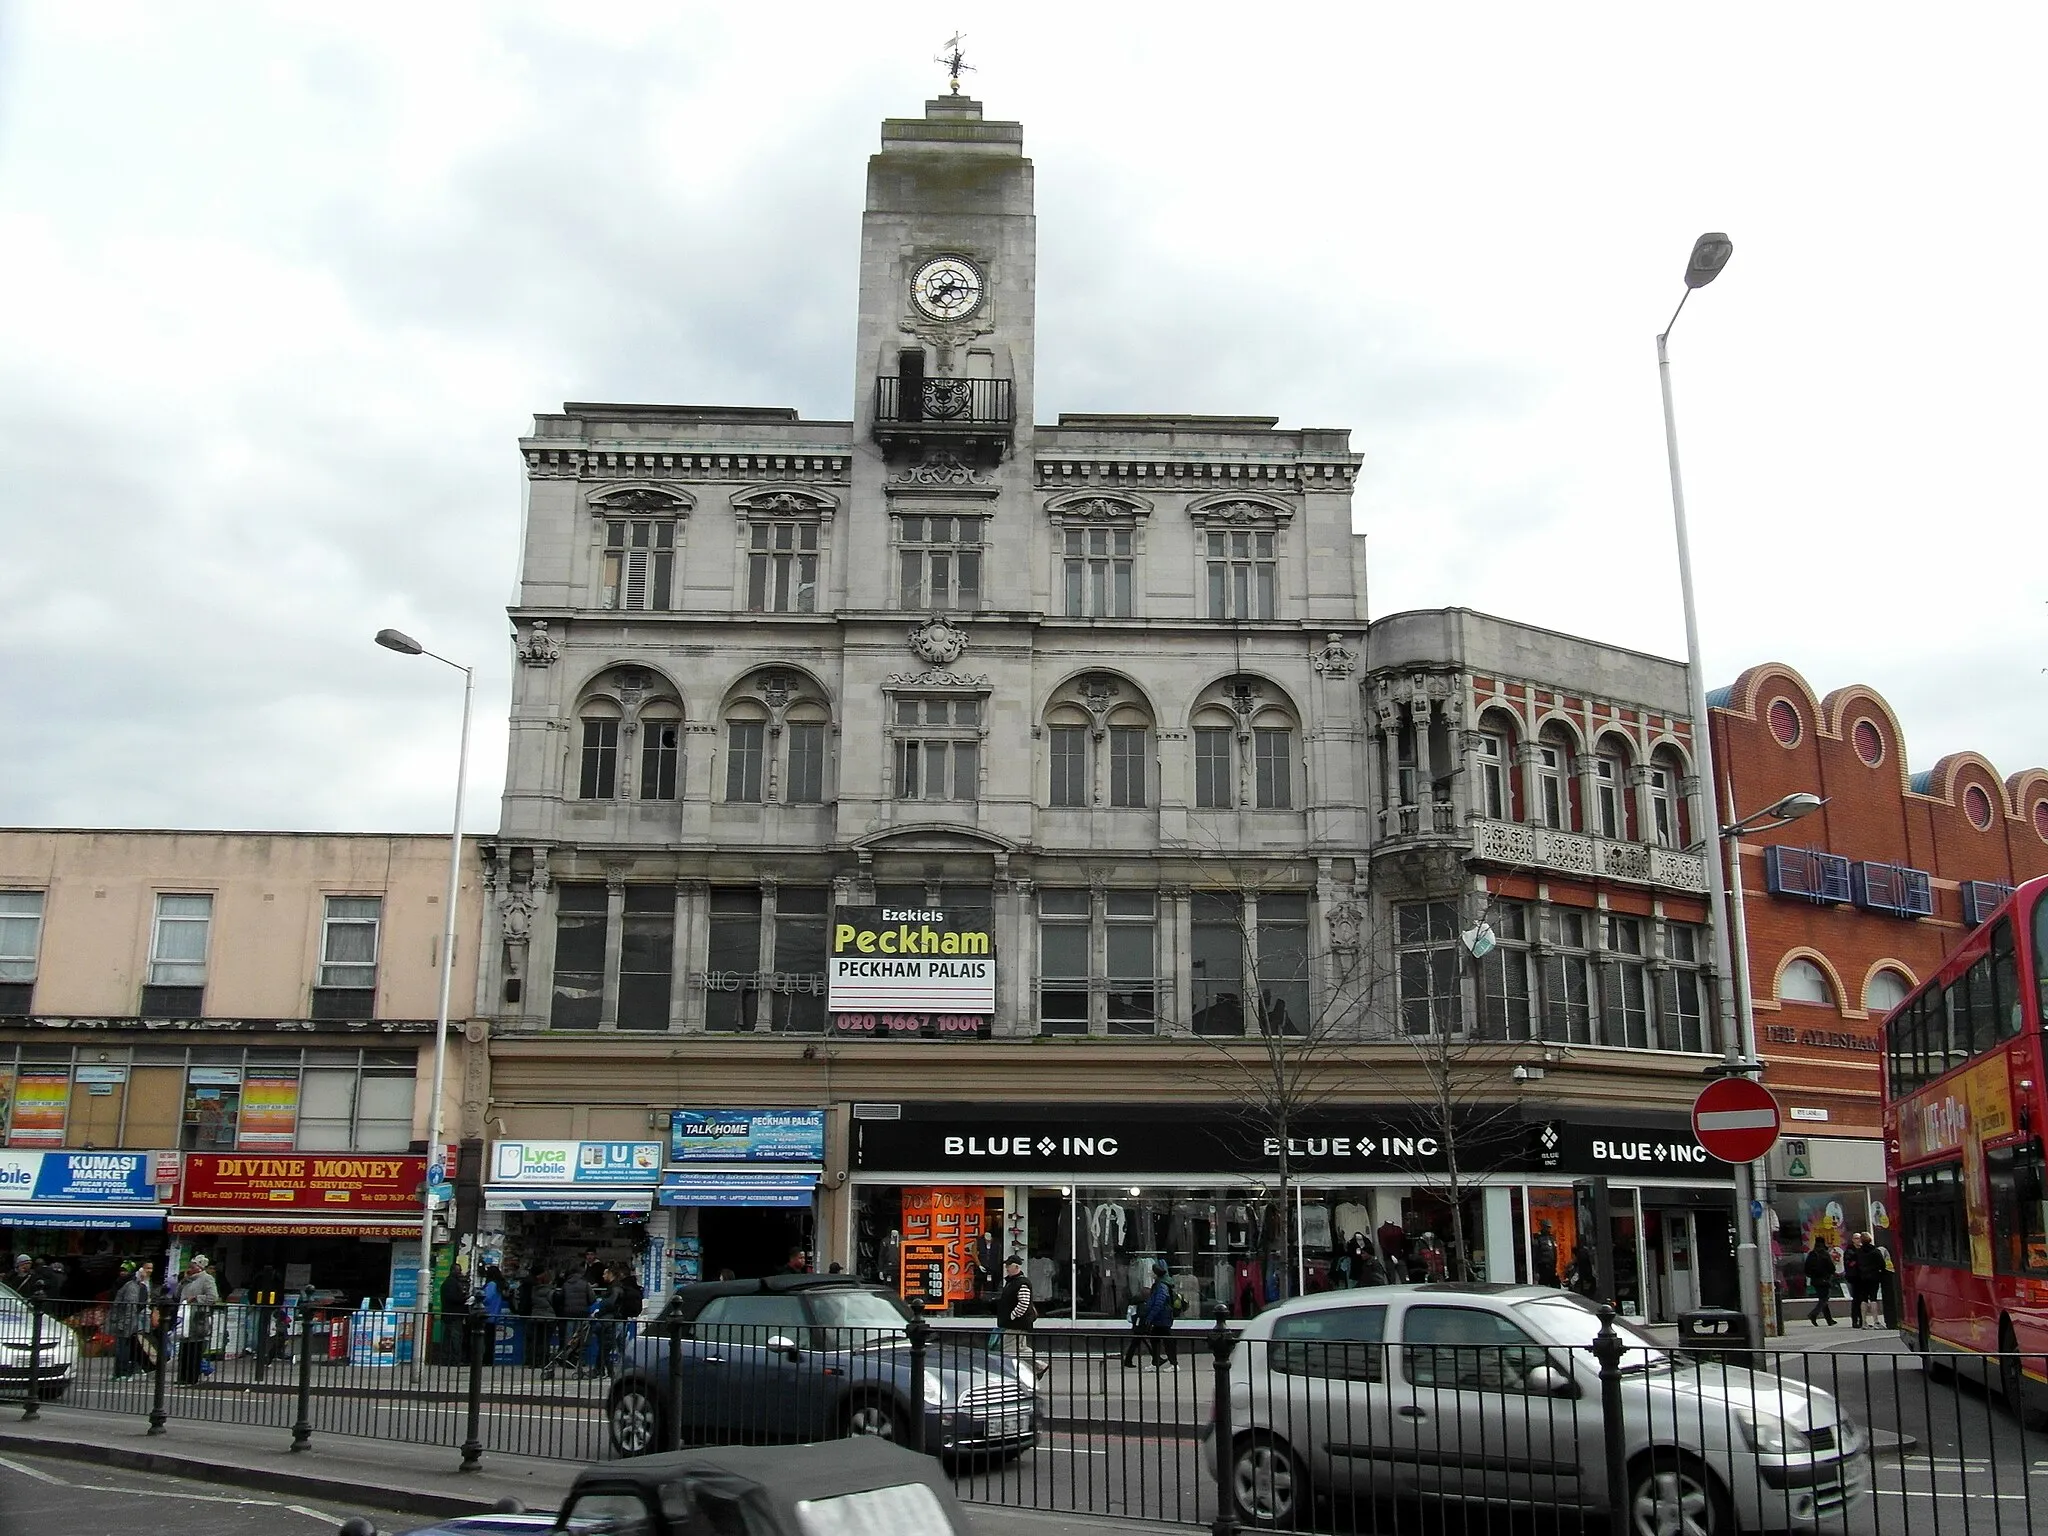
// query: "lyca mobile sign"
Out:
[910,960]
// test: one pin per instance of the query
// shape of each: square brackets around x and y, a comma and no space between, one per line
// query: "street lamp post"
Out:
[405,645]
[1710,254]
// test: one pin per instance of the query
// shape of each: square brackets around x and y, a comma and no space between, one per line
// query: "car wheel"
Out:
[1268,1483]
[634,1418]
[1676,1496]
[878,1417]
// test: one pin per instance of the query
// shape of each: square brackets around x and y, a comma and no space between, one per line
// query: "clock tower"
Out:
[942,384]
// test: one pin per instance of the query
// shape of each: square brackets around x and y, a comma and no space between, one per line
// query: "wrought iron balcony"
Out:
[971,417]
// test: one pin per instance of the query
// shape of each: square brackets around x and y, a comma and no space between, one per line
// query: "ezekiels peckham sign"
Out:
[910,960]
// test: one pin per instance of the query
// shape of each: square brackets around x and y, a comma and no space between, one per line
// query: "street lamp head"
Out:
[1793,806]
[1710,254]
[399,641]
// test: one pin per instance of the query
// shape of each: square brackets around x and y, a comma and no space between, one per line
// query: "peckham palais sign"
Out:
[910,960]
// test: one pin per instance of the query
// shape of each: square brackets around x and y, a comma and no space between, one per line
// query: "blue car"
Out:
[812,1357]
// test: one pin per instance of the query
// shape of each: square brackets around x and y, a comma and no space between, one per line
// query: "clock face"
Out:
[946,288]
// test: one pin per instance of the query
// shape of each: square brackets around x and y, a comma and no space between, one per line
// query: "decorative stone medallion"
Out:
[938,641]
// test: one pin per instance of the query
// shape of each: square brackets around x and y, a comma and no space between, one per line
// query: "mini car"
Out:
[812,1357]
[847,1488]
[17,1333]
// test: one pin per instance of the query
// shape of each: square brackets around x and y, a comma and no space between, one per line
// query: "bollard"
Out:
[481,1340]
[302,1427]
[1220,1346]
[34,1409]
[920,1333]
[160,1376]
[1607,1349]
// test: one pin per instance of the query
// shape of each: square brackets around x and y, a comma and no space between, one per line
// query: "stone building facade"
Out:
[1106,690]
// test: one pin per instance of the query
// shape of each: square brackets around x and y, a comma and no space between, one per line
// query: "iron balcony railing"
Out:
[942,403]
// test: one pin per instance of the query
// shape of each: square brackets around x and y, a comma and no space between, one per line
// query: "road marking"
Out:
[314,1514]
[41,1477]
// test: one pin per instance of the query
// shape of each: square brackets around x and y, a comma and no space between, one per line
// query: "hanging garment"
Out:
[1348,1218]
[1105,1230]
[1247,1287]
[1393,1243]
[1189,1289]
[1042,1270]
[1315,1229]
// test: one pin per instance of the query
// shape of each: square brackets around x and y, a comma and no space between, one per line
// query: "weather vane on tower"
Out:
[954,60]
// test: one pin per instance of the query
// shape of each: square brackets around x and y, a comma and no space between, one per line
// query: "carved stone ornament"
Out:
[1241,512]
[538,648]
[1097,694]
[937,640]
[941,469]
[1335,659]
[639,500]
[1097,509]
[1346,920]
[1244,699]
[776,689]
[938,678]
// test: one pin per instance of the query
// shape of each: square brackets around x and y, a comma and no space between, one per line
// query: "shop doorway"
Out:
[1674,1266]
[751,1240]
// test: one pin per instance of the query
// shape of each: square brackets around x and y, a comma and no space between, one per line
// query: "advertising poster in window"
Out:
[945,1227]
[746,1136]
[40,1102]
[270,1114]
[891,966]
[213,1097]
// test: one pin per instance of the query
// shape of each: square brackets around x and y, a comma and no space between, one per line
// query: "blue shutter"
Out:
[1916,893]
[1787,871]
[1833,881]
[1981,899]
[1874,887]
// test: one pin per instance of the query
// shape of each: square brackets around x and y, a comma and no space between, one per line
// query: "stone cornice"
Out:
[1075,472]
[826,466]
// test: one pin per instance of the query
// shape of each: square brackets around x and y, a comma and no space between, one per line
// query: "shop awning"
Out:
[84,1218]
[306,1224]
[701,1187]
[622,1200]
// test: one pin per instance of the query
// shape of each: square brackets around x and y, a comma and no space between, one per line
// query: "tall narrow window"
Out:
[732,978]
[600,776]
[1493,778]
[1426,939]
[21,931]
[1568,980]
[1553,798]
[1625,999]
[1241,575]
[782,568]
[581,924]
[1407,767]
[1132,948]
[1215,784]
[347,983]
[806,762]
[1216,963]
[1682,1026]
[1664,805]
[1283,963]
[1127,759]
[939,562]
[647,946]
[661,752]
[177,957]
[1063,962]
[743,751]
[1070,765]
[1505,1009]
[639,564]
[798,982]
[938,749]
[1608,775]
[1097,572]
[1273,761]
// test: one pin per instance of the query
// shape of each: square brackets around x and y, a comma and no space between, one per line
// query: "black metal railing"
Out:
[1304,1430]
[928,402]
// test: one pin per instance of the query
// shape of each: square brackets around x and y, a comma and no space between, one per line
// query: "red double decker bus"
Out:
[1964,1116]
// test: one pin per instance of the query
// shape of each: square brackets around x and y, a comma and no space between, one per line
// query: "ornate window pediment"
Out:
[640,501]
[1237,509]
[766,501]
[1098,507]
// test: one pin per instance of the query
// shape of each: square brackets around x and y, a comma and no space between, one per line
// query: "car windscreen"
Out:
[857,1318]
[1574,1323]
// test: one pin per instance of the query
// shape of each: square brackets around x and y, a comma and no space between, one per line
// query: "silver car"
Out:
[1491,1393]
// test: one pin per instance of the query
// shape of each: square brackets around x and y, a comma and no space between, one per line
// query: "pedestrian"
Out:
[1543,1255]
[1152,1321]
[540,1307]
[1014,1311]
[495,1294]
[128,1318]
[198,1298]
[454,1322]
[799,1263]
[29,1280]
[1866,1266]
[1820,1279]
[576,1299]
[593,1268]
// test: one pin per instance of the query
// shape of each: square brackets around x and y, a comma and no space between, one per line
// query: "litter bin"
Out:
[1715,1333]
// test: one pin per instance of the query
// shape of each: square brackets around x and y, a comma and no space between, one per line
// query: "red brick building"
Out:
[1848,908]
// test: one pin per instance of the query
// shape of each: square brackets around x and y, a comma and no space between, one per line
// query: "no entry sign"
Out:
[1736,1119]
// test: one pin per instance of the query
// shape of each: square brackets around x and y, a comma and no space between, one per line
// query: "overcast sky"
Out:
[286,283]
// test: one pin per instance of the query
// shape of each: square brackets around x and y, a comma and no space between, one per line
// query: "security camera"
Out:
[1520,1074]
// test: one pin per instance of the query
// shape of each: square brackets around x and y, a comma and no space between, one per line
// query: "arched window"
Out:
[598,767]
[1494,795]
[1244,747]
[1554,804]
[746,752]
[1804,982]
[1099,745]
[661,749]
[778,734]
[1613,808]
[1884,991]
[1667,800]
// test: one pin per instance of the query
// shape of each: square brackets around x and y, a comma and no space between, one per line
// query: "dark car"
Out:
[811,1357]
[854,1486]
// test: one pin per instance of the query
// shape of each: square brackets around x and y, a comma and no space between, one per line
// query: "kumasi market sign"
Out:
[911,960]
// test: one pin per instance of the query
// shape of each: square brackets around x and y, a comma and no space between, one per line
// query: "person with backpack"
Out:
[1152,1321]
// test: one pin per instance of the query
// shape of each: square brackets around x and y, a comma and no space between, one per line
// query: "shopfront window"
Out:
[797,992]
[735,956]
[213,1105]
